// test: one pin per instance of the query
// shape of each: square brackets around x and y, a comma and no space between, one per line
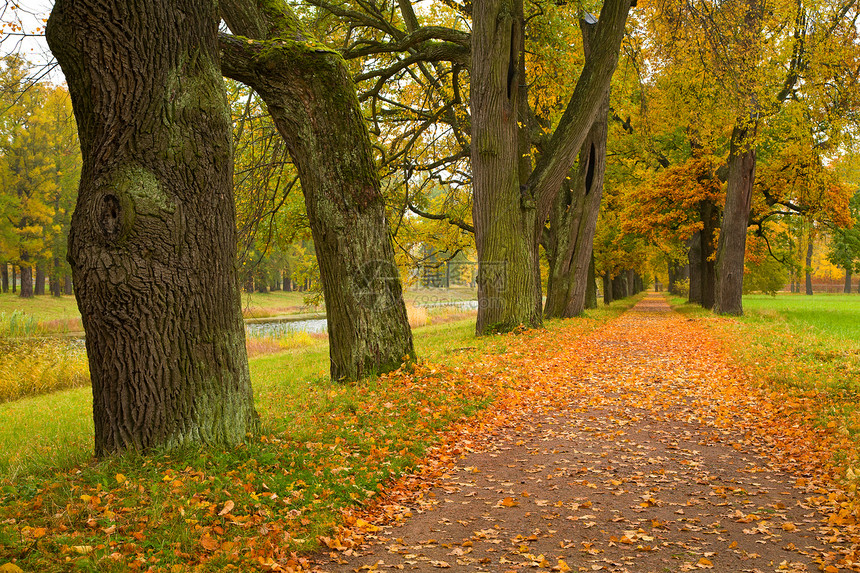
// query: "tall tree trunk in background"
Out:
[733,232]
[153,237]
[67,284]
[607,288]
[14,280]
[672,272]
[39,284]
[710,215]
[56,272]
[591,284]
[619,286]
[5,276]
[26,276]
[312,99]
[694,255]
[573,219]
[847,281]
[809,265]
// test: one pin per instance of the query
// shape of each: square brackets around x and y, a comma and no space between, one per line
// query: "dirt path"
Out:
[637,460]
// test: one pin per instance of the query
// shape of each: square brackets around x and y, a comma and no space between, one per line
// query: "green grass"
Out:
[324,448]
[802,347]
[832,314]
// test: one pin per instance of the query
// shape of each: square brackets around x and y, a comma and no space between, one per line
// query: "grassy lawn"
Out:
[806,348]
[324,448]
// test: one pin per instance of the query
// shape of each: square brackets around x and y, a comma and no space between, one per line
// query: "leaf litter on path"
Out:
[636,448]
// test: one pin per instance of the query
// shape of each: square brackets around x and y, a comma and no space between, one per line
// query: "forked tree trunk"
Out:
[573,220]
[153,241]
[510,216]
[312,99]
[733,232]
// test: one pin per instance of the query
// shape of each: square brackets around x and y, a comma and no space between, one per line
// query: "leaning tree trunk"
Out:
[847,281]
[733,232]
[809,266]
[153,242]
[312,99]
[574,218]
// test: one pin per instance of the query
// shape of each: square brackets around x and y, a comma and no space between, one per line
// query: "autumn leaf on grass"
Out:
[208,543]
[228,507]
[507,502]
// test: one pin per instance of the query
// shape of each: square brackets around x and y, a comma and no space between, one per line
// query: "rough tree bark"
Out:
[312,99]
[733,232]
[573,217]
[153,242]
[509,216]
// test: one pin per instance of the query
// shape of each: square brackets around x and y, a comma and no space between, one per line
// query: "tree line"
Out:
[497,120]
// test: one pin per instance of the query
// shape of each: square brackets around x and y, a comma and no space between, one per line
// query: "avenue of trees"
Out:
[340,143]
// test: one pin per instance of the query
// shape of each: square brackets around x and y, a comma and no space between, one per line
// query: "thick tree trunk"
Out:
[809,266]
[591,285]
[847,281]
[153,241]
[573,220]
[733,232]
[67,284]
[5,276]
[607,289]
[510,216]
[26,276]
[619,286]
[39,284]
[312,99]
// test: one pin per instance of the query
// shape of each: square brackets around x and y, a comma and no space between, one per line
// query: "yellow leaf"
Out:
[228,507]
[705,563]
[120,478]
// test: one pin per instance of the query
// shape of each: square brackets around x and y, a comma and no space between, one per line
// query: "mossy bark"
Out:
[153,241]
[312,99]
